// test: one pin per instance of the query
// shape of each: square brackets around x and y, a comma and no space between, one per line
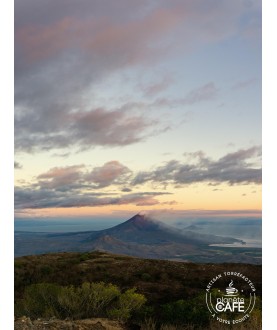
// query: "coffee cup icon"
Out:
[230,291]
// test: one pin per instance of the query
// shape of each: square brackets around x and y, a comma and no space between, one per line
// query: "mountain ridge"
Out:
[139,236]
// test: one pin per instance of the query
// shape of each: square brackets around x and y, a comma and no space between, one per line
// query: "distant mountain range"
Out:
[143,237]
[242,228]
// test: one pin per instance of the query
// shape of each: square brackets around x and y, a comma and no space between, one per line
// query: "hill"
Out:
[162,282]
[159,280]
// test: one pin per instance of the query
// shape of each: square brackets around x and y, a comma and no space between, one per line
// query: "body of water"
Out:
[63,226]
[249,243]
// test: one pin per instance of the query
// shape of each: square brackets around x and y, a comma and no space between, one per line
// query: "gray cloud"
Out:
[244,84]
[202,93]
[83,129]
[77,186]
[239,167]
[234,168]
[158,87]
[17,165]
[64,48]
[27,198]
[61,155]
[59,59]
[78,177]
[126,190]
[112,172]
[59,177]
[202,214]
[206,92]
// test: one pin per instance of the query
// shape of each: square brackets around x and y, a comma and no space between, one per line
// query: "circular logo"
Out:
[230,297]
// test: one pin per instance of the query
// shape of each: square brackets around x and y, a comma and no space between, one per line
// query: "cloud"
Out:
[61,155]
[206,92]
[203,93]
[27,198]
[244,84]
[63,49]
[161,174]
[59,177]
[126,190]
[240,167]
[80,186]
[98,36]
[17,165]
[79,177]
[110,173]
[60,60]
[108,127]
[82,129]
[217,215]
[158,87]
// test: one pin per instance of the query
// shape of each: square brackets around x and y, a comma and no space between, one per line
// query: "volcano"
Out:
[142,229]
[139,236]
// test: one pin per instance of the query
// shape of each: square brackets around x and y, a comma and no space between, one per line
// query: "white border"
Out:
[269,161]
[6,165]
[269,165]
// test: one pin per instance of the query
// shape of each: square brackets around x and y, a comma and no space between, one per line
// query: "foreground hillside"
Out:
[25,323]
[161,282]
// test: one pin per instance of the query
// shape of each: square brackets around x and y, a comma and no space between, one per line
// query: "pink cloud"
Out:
[128,42]
[156,88]
[84,129]
[139,34]
[104,127]
[41,42]
[60,176]
[109,173]
[148,201]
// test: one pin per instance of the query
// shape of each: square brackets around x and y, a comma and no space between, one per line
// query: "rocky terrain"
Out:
[25,323]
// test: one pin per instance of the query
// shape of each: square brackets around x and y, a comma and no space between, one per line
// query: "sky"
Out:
[137,106]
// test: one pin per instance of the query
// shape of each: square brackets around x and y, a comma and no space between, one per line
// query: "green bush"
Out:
[86,301]
[40,300]
[89,300]
[84,257]
[128,302]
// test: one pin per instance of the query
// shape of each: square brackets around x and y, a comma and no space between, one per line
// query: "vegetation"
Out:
[169,295]
[87,301]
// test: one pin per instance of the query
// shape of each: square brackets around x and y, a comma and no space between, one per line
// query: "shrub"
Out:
[40,300]
[128,303]
[89,300]
[86,301]
[84,257]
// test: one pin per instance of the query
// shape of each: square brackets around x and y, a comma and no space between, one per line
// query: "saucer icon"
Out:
[230,291]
